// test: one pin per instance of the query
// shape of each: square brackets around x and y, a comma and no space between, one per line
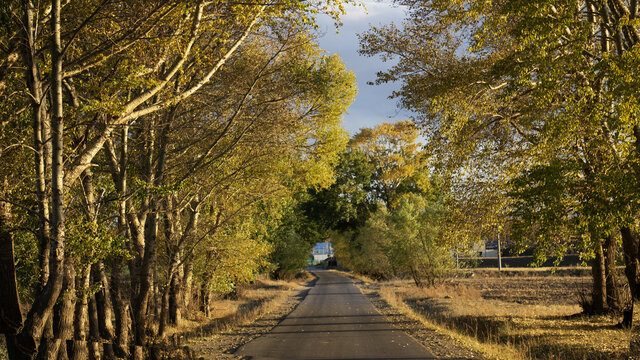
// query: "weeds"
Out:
[536,317]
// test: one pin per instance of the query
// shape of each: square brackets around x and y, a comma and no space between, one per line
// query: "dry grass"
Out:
[488,350]
[251,303]
[514,317]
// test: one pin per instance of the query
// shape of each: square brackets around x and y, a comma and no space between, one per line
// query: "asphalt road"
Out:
[334,321]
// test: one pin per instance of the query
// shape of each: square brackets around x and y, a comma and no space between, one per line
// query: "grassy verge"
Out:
[488,350]
[251,303]
[255,311]
[513,317]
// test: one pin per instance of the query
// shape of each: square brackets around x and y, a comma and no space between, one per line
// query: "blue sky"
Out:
[372,105]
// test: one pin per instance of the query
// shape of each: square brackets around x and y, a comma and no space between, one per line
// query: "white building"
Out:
[322,251]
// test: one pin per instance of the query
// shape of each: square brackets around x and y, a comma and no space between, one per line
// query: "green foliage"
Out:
[386,209]
[361,250]
[406,240]
[26,262]
[292,239]
[414,241]
[231,258]
[544,208]
[528,109]
[346,204]
[290,251]
[90,242]
[393,152]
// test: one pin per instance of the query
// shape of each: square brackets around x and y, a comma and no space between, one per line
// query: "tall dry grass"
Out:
[252,302]
[538,328]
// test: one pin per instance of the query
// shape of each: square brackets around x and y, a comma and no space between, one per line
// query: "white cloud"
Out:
[374,10]
[372,105]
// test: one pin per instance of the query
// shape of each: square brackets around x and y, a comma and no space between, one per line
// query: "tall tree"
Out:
[529,81]
[118,76]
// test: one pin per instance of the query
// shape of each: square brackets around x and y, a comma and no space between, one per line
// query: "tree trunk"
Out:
[119,310]
[41,129]
[613,290]
[94,330]
[10,311]
[86,308]
[175,298]
[416,277]
[206,300]
[119,161]
[634,342]
[157,294]
[145,282]
[28,339]
[188,285]
[94,322]
[631,246]
[103,302]
[81,316]
[164,313]
[140,281]
[118,165]
[64,311]
[599,288]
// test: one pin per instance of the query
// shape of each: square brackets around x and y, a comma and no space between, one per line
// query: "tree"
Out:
[386,210]
[530,81]
[393,151]
[415,242]
[113,96]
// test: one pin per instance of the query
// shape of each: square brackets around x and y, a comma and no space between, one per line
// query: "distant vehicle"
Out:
[491,244]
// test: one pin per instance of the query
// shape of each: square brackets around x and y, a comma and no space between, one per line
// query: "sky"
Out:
[372,105]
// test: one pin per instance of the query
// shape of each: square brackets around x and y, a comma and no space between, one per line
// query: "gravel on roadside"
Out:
[223,345]
[441,345]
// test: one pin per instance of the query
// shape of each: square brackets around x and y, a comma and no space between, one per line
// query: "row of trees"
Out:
[386,212]
[147,149]
[531,109]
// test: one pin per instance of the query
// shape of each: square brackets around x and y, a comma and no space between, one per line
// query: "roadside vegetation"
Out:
[517,314]
[529,114]
[153,156]
[158,155]
[386,211]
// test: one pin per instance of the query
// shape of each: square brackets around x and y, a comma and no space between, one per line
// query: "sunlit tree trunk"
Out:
[118,160]
[63,317]
[188,285]
[28,339]
[103,302]
[599,289]
[81,320]
[613,292]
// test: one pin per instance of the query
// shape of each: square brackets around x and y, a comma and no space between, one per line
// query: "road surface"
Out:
[334,321]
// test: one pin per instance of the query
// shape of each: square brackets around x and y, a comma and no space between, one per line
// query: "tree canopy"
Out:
[148,150]
[530,110]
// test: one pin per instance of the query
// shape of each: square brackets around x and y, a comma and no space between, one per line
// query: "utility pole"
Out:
[499,254]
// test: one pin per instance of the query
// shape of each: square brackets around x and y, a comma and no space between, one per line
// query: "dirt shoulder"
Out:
[221,338]
[516,314]
[440,343]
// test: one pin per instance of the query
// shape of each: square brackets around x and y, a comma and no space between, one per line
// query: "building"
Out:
[322,251]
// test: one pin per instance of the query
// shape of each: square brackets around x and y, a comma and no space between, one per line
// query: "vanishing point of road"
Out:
[334,321]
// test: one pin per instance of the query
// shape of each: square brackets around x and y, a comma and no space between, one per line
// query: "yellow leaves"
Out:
[393,150]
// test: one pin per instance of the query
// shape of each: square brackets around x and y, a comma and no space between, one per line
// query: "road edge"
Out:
[443,343]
